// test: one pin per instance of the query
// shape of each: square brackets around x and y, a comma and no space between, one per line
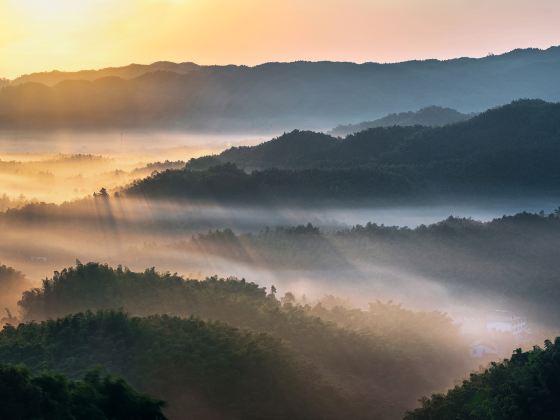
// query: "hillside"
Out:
[379,360]
[208,370]
[475,261]
[273,96]
[529,125]
[524,387]
[228,184]
[511,148]
[55,397]
[318,150]
[433,116]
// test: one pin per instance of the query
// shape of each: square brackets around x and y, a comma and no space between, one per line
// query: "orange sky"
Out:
[38,35]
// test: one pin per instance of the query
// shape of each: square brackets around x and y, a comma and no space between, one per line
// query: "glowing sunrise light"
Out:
[40,35]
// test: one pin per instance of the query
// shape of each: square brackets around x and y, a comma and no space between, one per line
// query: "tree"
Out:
[54,397]
[288,299]
[273,291]
[103,193]
[524,387]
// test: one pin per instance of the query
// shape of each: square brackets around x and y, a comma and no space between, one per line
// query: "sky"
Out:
[41,35]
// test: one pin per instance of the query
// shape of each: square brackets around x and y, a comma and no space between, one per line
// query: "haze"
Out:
[42,35]
[276,215]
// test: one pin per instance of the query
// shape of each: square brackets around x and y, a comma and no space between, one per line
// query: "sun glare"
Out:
[51,9]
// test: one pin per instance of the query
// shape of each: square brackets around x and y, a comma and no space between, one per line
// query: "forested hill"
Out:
[273,96]
[432,116]
[211,371]
[476,261]
[524,387]
[520,130]
[54,397]
[336,361]
[512,148]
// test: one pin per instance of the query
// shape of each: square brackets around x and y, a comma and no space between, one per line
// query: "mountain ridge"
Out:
[273,96]
[511,149]
[400,144]
[178,64]
[432,116]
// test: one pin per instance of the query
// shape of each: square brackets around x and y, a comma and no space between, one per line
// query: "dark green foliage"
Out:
[207,370]
[527,386]
[291,150]
[228,183]
[508,150]
[516,129]
[95,286]
[24,396]
[203,163]
[377,369]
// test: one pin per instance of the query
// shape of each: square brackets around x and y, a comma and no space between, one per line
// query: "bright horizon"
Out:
[67,35]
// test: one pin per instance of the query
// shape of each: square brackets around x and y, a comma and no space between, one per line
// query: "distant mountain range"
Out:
[432,116]
[272,96]
[511,149]
[51,78]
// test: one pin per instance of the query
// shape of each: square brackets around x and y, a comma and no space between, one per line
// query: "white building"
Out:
[481,349]
[506,322]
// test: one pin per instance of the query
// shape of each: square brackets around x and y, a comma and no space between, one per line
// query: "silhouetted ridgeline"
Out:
[228,184]
[432,116]
[335,361]
[523,387]
[53,396]
[273,96]
[511,149]
[52,78]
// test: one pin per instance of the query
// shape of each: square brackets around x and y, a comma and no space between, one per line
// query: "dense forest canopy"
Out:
[272,96]
[48,396]
[524,387]
[380,360]
[511,149]
[529,124]
[209,370]
[227,183]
